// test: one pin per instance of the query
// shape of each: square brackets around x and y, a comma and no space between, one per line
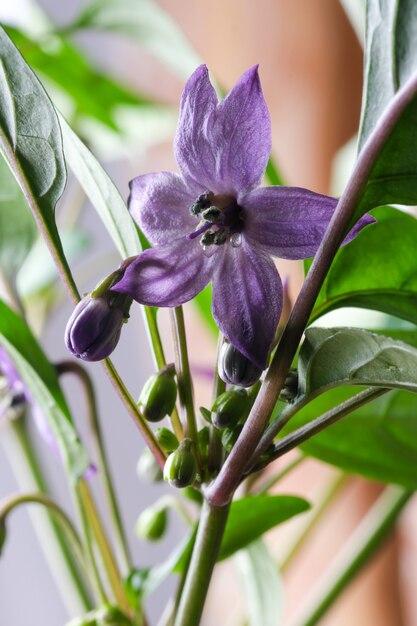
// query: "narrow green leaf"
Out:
[17,227]
[261,585]
[40,378]
[251,517]
[378,441]
[147,24]
[331,357]
[378,270]
[30,139]
[102,193]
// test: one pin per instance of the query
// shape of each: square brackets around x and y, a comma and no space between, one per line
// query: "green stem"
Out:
[185,389]
[365,541]
[75,368]
[8,504]
[29,476]
[206,549]
[103,545]
[215,450]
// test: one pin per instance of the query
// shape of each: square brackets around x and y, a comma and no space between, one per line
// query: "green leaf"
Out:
[102,193]
[17,227]
[378,441]
[261,584]
[352,356]
[30,138]
[390,61]
[251,517]
[40,378]
[147,24]
[93,93]
[378,270]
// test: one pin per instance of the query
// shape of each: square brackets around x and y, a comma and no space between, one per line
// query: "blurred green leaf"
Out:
[147,24]
[102,193]
[40,378]
[378,270]
[331,357]
[92,92]
[30,139]
[17,226]
[261,583]
[390,61]
[378,441]
[252,516]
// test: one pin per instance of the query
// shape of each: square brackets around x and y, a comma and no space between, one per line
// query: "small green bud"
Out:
[167,439]
[152,523]
[180,469]
[230,436]
[147,467]
[203,441]
[159,395]
[229,408]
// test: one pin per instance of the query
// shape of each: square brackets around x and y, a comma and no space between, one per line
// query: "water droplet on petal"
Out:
[236,240]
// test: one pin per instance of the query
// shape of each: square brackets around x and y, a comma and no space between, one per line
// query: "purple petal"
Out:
[167,275]
[247,301]
[225,147]
[160,203]
[289,222]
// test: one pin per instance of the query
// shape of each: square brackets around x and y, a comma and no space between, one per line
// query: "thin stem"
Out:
[276,478]
[363,544]
[103,545]
[185,389]
[215,449]
[8,504]
[28,473]
[304,433]
[224,486]
[206,549]
[75,368]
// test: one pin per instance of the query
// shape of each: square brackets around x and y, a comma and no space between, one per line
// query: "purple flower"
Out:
[213,223]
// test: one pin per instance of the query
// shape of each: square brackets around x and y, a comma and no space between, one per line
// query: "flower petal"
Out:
[289,222]
[247,301]
[225,147]
[167,275]
[159,204]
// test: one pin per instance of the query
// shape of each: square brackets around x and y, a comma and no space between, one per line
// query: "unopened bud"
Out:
[230,436]
[229,408]
[167,439]
[203,442]
[290,389]
[152,523]
[94,328]
[235,368]
[147,467]
[180,468]
[159,395]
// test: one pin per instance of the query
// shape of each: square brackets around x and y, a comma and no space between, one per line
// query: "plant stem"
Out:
[304,433]
[29,476]
[206,549]
[364,542]
[8,504]
[103,545]
[75,368]
[224,486]
[185,389]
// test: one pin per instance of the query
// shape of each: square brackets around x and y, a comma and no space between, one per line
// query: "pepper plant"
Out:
[281,382]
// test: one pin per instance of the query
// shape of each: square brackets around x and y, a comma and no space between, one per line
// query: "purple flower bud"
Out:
[94,328]
[235,368]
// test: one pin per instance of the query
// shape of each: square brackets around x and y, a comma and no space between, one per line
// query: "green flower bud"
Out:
[180,469]
[167,439]
[152,523]
[148,469]
[159,395]
[203,442]
[230,436]
[229,408]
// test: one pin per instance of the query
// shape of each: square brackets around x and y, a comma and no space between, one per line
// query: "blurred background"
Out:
[310,58]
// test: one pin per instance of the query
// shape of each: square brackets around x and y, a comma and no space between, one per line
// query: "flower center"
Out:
[220,220]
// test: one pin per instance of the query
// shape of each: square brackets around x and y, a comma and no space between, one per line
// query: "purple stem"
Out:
[221,491]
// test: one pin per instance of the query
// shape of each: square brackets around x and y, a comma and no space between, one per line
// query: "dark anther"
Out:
[202,202]
[212,214]
[208,238]
[220,237]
